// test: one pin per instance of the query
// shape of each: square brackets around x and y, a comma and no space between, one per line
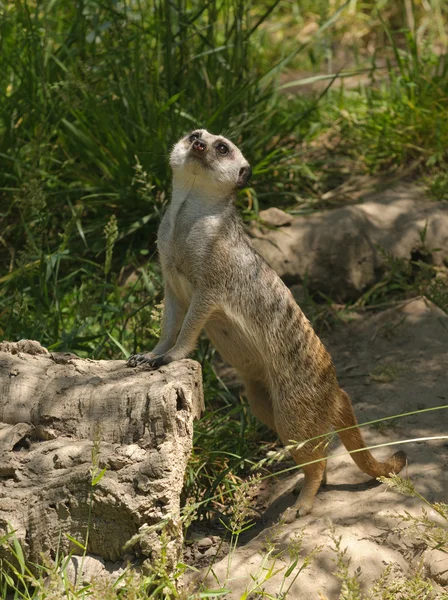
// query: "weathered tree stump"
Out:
[62,421]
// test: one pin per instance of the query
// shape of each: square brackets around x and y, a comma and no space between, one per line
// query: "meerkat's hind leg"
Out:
[260,402]
[299,485]
[314,475]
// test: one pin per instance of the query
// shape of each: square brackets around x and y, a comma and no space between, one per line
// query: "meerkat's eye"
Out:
[193,136]
[222,148]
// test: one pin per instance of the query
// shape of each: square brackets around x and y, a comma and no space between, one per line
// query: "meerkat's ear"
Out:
[243,177]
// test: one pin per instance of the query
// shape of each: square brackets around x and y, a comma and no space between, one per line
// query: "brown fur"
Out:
[214,279]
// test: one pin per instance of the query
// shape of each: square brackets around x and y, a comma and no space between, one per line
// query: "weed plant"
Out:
[358,35]
[390,116]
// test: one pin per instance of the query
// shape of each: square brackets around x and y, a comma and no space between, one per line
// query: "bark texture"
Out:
[62,421]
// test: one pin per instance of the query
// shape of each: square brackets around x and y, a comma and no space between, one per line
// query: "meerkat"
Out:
[214,279]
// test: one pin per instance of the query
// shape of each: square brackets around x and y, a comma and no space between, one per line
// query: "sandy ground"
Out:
[391,362]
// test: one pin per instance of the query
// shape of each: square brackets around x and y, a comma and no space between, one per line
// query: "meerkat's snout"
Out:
[199,146]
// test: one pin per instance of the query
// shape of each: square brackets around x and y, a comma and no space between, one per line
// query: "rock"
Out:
[340,252]
[11,435]
[275,217]
[81,570]
[76,433]
[436,562]
[31,347]
[205,542]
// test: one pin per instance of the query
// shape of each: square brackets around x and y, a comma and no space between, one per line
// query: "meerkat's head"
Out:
[210,162]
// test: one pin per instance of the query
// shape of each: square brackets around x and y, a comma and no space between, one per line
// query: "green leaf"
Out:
[98,477]
[74,541]
[213,593]
[292,567]
[119,345]
[18,553]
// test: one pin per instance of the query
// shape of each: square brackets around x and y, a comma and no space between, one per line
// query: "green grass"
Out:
[228,442]
[390,117]
[91,99]
[90,102]
[400,119]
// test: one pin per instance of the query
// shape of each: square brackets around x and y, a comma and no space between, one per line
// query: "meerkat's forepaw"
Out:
[158,361]
[136,360]
[148,360]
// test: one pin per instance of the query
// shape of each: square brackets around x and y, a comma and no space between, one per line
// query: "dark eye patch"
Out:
[193,136]
[222,148]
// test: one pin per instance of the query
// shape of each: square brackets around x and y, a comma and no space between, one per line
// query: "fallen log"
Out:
[93,446]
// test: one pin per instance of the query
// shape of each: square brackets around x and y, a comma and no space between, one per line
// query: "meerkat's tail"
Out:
[352,440]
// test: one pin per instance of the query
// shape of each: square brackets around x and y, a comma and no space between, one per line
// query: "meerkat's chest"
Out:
[184,241]
[182,244]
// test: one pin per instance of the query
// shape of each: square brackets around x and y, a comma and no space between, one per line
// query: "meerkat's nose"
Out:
[199,146]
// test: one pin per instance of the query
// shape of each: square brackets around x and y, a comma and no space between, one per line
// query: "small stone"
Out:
[275,217]
[196,554]
[205,543]
[437,564]
[134,452]
[7,470]
[117,462]
[83,569]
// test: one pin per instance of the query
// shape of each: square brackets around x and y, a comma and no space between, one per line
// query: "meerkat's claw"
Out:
[138,359]
[149,360]
[289,515]
[294,512]
[155,361]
